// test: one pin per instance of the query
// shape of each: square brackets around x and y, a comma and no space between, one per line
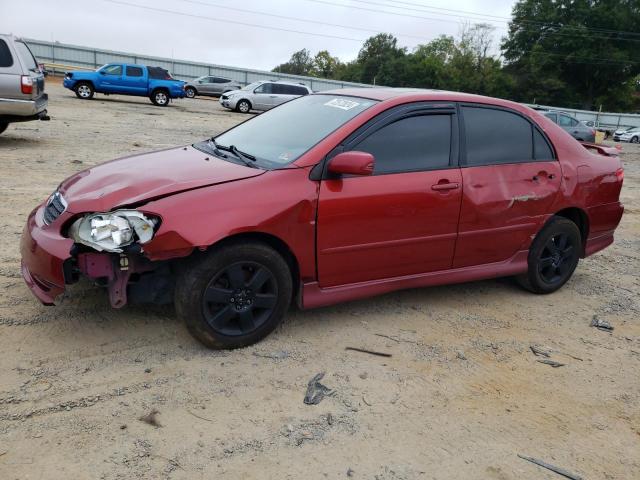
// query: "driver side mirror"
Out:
[352,163]
[102,72]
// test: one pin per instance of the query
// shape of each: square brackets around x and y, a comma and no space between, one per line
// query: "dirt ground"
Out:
[460,397]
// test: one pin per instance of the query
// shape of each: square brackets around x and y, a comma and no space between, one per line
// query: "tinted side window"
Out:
[220,80]
[6,60]
[496,136]
[541,148]
[280,89]
[413,143]
[158,72]
[300,91]
[552,116]
[134,71]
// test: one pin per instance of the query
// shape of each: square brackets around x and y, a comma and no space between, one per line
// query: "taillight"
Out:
[620,174]
[26,84]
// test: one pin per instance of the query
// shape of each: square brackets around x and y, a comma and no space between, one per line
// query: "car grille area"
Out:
[54,208]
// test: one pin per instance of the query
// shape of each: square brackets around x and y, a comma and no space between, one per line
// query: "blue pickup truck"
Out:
[126,79]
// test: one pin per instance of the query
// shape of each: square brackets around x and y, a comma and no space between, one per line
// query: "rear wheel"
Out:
[160,98]
[553,256]
[84,90]
[235,296]
[635,140]
[3,126]
[243,106]
[190,92]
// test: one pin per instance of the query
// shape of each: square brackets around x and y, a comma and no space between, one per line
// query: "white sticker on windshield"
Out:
[342,104]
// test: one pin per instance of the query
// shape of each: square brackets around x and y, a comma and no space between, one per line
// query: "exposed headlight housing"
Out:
[111,231]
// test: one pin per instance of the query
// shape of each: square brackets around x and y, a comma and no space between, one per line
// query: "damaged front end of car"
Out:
[108,249]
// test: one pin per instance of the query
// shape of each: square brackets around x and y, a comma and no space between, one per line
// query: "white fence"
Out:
[85,57]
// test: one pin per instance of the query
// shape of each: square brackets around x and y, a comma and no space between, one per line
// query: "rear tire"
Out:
[243,106]
[190,92]
[553,256]
[234,296]
[84,90]
[3,126]
[635,140]
[160,97]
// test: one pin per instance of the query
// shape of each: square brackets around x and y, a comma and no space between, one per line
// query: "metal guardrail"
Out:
[78,57]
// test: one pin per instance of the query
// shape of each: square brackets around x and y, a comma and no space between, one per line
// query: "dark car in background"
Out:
[211,86]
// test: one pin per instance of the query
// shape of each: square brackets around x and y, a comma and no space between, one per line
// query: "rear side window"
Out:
[6,60]
[300,91]
[26,56]
[541,148]
[496,136]
[134,71]
[566,121]
[410,144]
[552,116]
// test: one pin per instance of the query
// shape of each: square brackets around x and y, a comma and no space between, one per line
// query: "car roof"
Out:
[420,94]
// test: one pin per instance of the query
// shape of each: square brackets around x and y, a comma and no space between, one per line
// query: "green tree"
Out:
[575,52]
[324,65]
[300,63]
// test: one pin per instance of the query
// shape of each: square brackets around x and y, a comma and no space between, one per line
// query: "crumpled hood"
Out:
[138,178]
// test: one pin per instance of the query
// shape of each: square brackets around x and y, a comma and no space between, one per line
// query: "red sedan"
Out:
[328,198]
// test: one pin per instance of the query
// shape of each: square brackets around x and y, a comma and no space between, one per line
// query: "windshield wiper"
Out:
[242,156]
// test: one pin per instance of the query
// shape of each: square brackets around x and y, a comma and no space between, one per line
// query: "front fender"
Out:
[280,203]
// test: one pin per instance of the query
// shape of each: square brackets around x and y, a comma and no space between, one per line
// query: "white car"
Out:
[262,95]
[631,135]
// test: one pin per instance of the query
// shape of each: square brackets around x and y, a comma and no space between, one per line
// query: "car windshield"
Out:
[281,135]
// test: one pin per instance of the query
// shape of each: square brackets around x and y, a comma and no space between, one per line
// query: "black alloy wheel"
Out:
[235,294]
[553,256]
[556,258]
[240,298]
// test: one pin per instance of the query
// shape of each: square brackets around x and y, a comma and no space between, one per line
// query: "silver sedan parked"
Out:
[573,126]
[210,85]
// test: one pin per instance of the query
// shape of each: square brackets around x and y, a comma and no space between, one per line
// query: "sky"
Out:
[238,33]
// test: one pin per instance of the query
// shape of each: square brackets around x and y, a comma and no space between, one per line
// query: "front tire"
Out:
[553,256]
[235,296]
[84,90]
[160,98]
[635,140]
[243,106]
[190,92]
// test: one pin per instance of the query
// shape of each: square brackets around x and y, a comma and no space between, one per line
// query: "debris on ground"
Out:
[539,351]
[460,355]
[316,391]
[350,472]
[553,468]
[601,324]
[552,363]
[370,352]
[281,355]
[150,418]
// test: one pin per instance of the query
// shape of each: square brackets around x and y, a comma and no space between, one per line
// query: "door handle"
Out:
[273,96]
[445,186]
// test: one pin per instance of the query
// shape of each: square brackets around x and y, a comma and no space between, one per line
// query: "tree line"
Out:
[570,53]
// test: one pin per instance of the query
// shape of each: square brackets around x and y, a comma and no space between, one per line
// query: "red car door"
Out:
[510,179]
[403,219]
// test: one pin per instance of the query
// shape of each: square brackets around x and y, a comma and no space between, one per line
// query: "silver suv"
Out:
[22,96]
[209,85]
[263,95]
